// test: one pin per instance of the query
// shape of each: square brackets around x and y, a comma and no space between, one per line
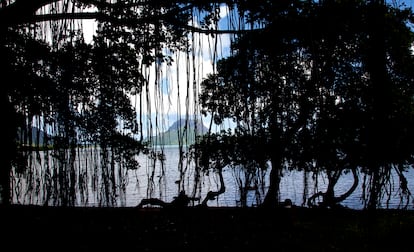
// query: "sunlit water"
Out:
[151,179]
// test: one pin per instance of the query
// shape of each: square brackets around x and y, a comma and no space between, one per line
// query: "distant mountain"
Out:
[183,130]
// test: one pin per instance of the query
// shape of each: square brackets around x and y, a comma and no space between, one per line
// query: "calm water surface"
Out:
[151,179]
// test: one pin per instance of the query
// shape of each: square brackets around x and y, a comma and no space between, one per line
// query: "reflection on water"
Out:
[84,183]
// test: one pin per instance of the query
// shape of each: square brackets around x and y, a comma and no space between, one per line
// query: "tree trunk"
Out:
[9,150]
[272,196]
[212,195]
[374,190]
[378,135]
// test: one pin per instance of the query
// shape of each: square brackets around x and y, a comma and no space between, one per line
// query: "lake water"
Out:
[41,184]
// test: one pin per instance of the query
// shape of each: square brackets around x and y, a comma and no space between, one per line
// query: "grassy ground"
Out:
[212,229]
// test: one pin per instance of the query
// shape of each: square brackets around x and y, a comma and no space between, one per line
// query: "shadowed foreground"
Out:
[198,229]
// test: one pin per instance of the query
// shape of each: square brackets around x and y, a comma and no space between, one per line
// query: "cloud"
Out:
[89,29]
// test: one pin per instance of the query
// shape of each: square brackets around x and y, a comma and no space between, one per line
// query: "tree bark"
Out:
[272,196]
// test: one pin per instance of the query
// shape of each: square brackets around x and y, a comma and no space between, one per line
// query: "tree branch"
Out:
[66,16]
[102,17]
[21,12]
[211,195]
[352,189]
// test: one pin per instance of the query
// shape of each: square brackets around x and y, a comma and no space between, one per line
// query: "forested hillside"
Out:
[180,132]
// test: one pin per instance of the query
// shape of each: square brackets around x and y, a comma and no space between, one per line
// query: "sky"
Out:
[407,3]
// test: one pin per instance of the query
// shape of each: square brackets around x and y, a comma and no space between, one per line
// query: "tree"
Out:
[262,87]
[322,113]
[77,90]
[358,93]
[388,60]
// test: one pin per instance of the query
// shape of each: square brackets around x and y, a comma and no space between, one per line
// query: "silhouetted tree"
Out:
[312,80]
[263,88]
[81,91]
